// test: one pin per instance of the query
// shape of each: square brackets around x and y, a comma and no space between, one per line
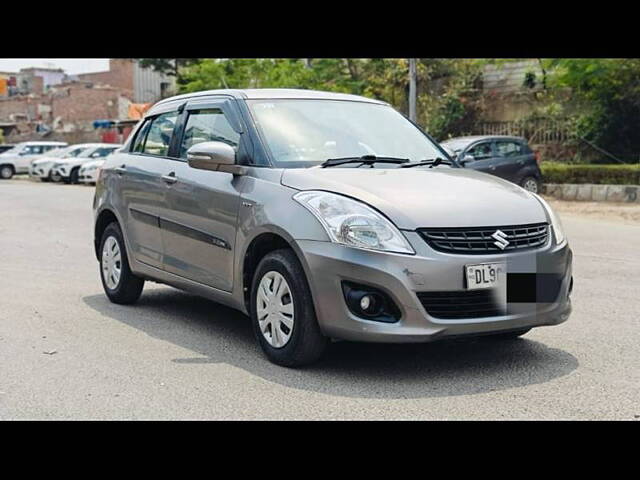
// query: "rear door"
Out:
[199,227]
[510,160]
[143,192]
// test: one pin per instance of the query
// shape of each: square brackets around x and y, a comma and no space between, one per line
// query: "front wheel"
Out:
[282,313]
[6,172]
[74,176]
[531,184]
[55,177]
[120,284]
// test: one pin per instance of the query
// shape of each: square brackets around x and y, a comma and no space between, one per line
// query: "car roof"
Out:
[64,144]
[466,140]
[274,93]
[96,145]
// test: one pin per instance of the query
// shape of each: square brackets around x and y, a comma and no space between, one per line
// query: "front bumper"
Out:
[39,171]
[88,176]
[64,173]
[403,276]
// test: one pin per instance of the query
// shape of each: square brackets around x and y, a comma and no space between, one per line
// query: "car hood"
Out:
[93,163]
[74,161]
[427,197]
[43,160]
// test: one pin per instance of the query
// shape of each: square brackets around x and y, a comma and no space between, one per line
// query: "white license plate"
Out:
[485,275]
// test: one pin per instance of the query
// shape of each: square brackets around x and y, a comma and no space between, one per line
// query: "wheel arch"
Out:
[105,217]
[263,243]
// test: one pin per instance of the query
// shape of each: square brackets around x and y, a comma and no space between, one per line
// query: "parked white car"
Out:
[41,167]
[89,172]
[68,169]
[18,159]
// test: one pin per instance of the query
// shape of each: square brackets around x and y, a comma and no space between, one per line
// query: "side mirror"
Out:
[214,156]
[467,159]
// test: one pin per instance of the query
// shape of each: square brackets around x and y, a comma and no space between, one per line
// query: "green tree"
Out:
[447,90]
[1,136]
[609,92]
[168,66]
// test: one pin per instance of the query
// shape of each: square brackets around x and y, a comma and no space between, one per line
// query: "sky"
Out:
[70,65]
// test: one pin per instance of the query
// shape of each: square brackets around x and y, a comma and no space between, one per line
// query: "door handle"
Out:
[170,179]
[120,170]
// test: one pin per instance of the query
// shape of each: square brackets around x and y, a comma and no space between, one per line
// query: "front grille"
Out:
[479,240]
[462,304]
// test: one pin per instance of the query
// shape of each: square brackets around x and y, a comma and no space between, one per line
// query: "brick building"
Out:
[50,102]
[140,85]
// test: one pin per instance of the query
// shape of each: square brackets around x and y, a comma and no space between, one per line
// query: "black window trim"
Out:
[224,103]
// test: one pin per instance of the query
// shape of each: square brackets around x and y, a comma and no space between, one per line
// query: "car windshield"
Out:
[304,133]
[65,152]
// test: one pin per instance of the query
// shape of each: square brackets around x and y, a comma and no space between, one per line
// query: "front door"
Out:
[199,226]
[483,155]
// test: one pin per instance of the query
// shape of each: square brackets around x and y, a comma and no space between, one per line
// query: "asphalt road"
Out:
[67,353]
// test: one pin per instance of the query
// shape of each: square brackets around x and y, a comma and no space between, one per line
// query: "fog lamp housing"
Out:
[370,303]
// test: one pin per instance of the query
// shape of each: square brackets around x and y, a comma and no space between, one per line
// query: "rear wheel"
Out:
[531,184]
[120,284]
[282,313]
[6,172]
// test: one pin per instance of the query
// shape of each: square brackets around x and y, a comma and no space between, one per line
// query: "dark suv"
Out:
[508,157]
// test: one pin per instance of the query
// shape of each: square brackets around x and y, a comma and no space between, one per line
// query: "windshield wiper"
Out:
[364,160]
[434,162]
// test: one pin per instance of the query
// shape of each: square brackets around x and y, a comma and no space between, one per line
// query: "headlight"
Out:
[558,231]
[353,223]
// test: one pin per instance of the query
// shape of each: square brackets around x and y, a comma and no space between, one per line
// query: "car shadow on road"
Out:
[217,334]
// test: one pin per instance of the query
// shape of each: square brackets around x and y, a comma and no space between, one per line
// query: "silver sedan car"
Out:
[324,216]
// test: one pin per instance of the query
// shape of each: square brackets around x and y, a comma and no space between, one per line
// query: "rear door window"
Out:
[509,148]
[141,136]
[155,135]
[160,133]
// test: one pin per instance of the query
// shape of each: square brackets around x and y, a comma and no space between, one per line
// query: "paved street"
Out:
[67,353]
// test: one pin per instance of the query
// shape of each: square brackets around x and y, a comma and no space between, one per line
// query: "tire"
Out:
[531,184]
[45,179]
[128,287]
[6,172]
[55,177]
[73,176]
[508,335]
[305,343]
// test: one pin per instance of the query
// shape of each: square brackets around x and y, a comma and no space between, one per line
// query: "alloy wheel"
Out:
[531,185]
[275,309]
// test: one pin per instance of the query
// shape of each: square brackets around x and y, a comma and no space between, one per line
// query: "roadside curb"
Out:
[593,193]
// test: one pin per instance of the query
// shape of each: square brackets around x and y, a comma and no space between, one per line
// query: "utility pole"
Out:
[413,77]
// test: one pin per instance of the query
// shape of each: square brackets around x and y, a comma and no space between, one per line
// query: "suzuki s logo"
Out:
[501,239]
